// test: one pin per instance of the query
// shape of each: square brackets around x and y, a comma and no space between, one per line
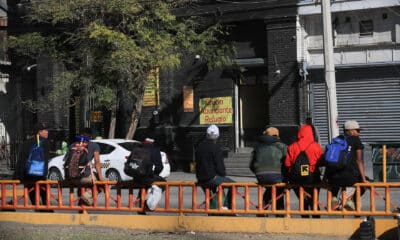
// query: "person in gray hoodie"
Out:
[267,163]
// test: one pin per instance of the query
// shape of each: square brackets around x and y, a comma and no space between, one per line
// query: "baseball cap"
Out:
[82,138]
[351,124]
[272,131]
[148,141]
[212,132]
[39,127]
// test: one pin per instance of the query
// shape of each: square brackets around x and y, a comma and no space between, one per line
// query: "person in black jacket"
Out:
[155,155]
[39,139]
[210,167]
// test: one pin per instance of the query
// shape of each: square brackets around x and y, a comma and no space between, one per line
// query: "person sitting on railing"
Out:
[210,167]
[40,142]
[353,172]
[86,174]
[267,164]
[303,159]
[144,166]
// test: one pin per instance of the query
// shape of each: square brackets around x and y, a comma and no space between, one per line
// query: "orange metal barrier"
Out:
[187,197]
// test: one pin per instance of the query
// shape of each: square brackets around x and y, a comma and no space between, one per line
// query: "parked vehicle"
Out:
[113,154]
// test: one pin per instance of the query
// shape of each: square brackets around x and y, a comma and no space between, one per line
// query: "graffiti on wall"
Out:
[392,162]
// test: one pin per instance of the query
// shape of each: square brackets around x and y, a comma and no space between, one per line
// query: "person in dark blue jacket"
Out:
[210,167]
[39,138]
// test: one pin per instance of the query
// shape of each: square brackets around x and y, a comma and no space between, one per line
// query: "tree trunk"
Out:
[135,118]
[111,132]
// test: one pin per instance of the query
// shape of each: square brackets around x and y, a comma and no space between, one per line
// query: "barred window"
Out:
[366,28]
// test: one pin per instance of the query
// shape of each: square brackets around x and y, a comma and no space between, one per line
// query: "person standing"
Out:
[354,172]
[210,167]
[267,164]
[40,140]
[305,144]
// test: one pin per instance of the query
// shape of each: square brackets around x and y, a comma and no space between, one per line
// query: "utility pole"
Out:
[329,70]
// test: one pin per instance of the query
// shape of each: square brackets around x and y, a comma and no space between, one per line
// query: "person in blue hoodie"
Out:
[267,163]
[39,139]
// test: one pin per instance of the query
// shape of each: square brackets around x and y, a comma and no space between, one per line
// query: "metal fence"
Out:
[187,197]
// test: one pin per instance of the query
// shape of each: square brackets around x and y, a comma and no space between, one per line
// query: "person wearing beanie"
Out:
[354,172]
[210,167]
[267,164]
[39,139]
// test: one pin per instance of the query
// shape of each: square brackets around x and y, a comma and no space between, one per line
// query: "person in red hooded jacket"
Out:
[305,142]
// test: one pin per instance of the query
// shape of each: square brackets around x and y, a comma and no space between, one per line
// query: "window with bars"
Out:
[366,28]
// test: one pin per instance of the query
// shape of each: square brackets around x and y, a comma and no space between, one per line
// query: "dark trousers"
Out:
[32,189]
[271,178]
[146,183]
[342,179]
[309,197]
[213,185]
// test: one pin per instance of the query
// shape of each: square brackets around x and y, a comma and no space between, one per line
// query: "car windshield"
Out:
[130,145]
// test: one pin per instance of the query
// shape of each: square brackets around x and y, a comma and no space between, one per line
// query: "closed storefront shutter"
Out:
[374,103]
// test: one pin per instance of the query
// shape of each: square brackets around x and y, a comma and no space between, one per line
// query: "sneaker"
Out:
[349,206]
[87,198]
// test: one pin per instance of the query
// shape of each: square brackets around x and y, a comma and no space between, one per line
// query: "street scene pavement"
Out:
[22,231]
[16,231]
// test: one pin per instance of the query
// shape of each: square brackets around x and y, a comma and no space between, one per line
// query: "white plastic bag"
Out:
[153,196]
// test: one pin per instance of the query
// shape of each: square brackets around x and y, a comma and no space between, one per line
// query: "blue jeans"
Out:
[215,182]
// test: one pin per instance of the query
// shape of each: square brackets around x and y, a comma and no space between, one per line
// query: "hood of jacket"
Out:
[305,136]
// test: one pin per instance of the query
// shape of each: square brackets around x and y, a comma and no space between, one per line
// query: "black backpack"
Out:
[139,164]
[76,161]
[301,168]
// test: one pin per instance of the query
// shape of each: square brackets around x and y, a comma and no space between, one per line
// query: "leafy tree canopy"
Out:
[106,45]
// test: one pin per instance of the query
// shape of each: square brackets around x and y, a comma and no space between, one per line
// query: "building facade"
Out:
[242,105]
[366,55]
[367,64]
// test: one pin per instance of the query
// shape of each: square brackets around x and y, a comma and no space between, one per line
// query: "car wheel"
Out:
[113,175]
[55,174]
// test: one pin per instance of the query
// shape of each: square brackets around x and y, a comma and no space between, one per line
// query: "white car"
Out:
[113,155]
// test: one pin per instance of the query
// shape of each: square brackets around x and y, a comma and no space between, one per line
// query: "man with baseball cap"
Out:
[267,164]
[210,167]
[355,171]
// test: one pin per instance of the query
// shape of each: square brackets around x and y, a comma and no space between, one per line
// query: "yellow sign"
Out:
[188,99]
[151,97]
[216,110]
[305,170]
[96,116]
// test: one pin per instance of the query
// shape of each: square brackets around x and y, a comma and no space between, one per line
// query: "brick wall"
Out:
[283,86]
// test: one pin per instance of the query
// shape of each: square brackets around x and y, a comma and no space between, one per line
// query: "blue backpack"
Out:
[337,153]
[35,162]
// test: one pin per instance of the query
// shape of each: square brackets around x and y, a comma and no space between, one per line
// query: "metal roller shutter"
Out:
[374,103]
